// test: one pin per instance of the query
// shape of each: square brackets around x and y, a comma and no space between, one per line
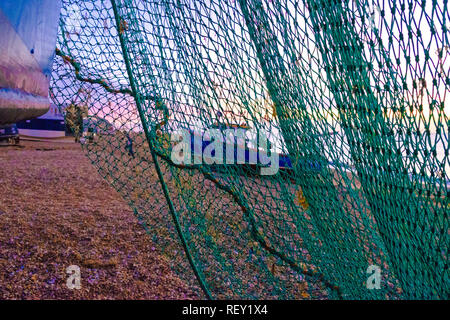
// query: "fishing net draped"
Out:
[353,97]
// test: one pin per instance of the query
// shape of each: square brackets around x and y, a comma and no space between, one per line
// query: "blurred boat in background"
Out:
[49,125]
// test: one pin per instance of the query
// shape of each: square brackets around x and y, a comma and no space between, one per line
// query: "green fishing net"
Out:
[352,98]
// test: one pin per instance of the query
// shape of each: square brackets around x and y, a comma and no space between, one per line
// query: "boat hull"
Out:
[27,46]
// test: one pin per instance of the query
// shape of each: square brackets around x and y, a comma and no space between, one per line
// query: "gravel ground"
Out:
[56,211]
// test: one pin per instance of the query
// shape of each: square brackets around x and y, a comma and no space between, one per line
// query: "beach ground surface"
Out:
[56,211]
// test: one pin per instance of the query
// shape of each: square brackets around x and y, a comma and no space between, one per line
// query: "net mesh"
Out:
[352,98]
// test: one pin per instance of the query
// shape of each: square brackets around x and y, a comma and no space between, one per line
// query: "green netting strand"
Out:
[353,98]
